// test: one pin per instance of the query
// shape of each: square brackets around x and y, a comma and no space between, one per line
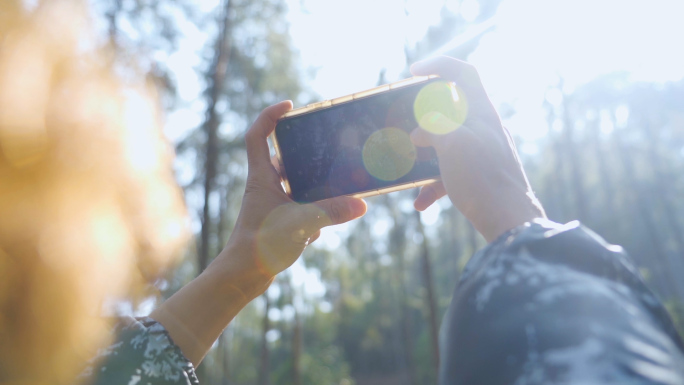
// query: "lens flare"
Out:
[389,154]
[284,233]
[440,108]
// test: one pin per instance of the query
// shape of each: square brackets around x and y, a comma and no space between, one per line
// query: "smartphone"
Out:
[359,145]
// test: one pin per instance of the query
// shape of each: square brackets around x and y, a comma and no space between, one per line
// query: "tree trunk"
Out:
[264,371]
[646,215]
[429,286]
[574,162]
[296,350]
[211,124]
[560,188]
[662,187]
[405,320]
[606,184]
[398,240]
[224,362]
[221,230]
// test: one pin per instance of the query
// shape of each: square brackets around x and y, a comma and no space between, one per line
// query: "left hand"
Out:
[272,230]
[479,166]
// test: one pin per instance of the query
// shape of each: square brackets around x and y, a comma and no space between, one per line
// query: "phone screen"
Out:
[354,147]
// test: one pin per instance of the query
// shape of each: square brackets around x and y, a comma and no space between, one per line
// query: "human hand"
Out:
[479,165]
[270,233]
[271,230]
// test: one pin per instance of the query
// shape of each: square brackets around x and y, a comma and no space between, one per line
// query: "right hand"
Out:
[272,231]
[480,168]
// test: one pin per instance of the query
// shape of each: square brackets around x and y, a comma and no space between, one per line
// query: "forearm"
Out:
[502,206]
[196,315]
[510,216]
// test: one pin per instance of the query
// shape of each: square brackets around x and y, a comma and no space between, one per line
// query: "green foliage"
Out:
[422,355]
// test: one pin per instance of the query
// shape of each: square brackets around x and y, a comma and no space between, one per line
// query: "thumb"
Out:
[331,211]
[255,138]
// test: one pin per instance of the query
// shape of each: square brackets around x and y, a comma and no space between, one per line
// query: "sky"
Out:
[533,43]
[347,43]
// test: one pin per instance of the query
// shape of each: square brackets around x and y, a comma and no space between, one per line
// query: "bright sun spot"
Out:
[470,9]
[431,215]
[308,280]
[140,125]
[536,42]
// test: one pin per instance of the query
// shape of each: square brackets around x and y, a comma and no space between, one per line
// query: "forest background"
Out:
[591,90]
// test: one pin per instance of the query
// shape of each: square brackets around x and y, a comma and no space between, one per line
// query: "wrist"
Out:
[238,270]
[508,214]
[197,314]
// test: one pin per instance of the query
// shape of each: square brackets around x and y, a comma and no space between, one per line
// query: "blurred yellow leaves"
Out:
[89,206]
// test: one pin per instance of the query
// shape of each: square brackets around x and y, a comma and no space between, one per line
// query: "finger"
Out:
[330,212]
[463,74]
[428,195]
[255,138]
[446,144]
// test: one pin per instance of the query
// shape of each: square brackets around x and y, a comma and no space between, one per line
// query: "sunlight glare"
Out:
[308,280]
[389,154]
[440,108]
[554,97]
[139,121]
[381,227]
[621,115]
[325,307]
[272,335]
[470,10]
[329,239]
[360,38]
[288,312]
[606,123]
[430,216]
[540,42]
[274,314]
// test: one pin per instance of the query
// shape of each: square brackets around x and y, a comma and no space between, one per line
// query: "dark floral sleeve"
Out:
[143,353]
[555,304]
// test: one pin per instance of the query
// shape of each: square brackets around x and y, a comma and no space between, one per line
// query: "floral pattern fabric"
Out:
[555,304]
[143,354]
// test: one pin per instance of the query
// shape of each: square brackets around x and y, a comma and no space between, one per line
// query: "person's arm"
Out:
[555,304]
[543,303]
[270,234]
[479,166]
